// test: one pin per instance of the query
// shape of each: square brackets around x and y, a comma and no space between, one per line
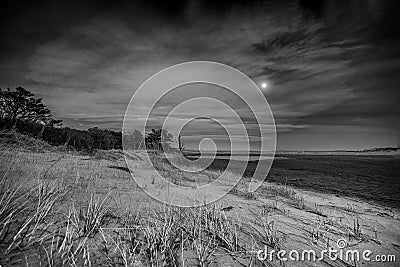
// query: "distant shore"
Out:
[374,151]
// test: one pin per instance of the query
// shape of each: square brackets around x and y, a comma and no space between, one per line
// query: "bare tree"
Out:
[180,144]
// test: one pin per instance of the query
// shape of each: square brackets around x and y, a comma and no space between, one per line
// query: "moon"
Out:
[264,85]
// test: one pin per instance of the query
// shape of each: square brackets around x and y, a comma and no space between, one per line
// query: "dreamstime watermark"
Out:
[340,253]
[233,102]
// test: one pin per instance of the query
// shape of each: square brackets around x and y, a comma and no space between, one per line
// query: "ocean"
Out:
[372,178]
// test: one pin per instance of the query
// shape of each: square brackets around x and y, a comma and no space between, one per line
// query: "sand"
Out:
[292,219]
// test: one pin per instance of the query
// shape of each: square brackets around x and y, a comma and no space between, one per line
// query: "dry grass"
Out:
[53,216]
[63,209]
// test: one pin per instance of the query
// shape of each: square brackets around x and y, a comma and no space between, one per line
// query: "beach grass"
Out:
[63,208]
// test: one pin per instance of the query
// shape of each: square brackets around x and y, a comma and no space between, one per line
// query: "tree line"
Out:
[21,111]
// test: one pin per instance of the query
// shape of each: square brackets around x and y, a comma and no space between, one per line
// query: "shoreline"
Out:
[283,217]
[373,179]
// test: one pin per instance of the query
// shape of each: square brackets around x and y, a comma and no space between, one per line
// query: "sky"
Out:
[331,67]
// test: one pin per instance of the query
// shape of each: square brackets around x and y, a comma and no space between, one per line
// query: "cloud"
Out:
[322,70]
[97,62]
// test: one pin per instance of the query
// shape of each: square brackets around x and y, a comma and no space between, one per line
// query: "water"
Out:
[370,178]
[241,157]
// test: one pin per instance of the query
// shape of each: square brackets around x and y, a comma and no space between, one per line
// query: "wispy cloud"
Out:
[319,70]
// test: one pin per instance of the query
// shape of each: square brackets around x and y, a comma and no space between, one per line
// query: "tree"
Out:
[158,139]
[133,140]
[104,139]
[21,105]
